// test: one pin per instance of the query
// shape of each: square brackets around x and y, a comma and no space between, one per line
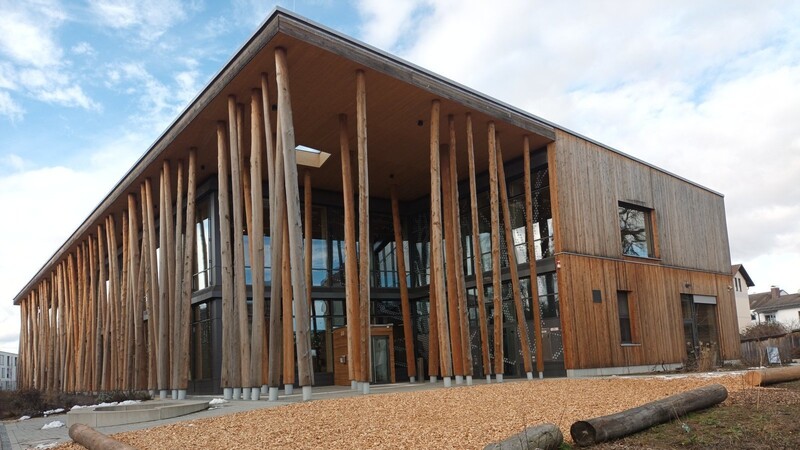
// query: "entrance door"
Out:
[700,326]
[381,372]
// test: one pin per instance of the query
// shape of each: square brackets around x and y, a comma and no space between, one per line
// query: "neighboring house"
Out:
[589,261]
[776,306]
[741,283]
[8,371]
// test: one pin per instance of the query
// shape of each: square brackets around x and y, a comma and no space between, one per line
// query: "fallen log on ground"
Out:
[545,436]
[613,426]
[94,440]
[763,377]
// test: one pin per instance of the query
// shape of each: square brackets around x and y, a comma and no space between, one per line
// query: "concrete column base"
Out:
[237,393]
[365,387]
[264,389]
[353,385]
[499,377]
[412,379]
[227,393]
[273,394]
[163,393]
[181,394]
[459,379]
[288,389]
[245,393]
[174,394]
[255,393]
[433,378]
[306,393]
[489,379]
[447,381]
[529,375]
[469,380]
[541,375]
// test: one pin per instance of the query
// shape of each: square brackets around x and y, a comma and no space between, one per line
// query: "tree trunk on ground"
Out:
[545,436]
[763,377]
[93,440]
[606,428]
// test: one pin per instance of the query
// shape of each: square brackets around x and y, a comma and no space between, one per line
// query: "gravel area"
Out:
[458,417]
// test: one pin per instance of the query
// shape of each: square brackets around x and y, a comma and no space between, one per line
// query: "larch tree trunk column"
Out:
[461,289]
[477,254]
[405,307]
[451,265]
[229,375]
[304,367]
[497,288]
[437,254]
[537,314]
[186,279]
[257,139]
[351,262]
[522,326]
[242,362]
[364,245]
[177,308]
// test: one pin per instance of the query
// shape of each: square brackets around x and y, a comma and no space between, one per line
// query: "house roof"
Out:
[323,63]
[763,301]
[740,268]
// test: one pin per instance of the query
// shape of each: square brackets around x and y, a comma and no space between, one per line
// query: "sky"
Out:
[707,90]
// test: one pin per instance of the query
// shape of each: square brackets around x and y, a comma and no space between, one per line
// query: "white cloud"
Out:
[10,108]
[35,63]
[26,32]
[385,23]
[152,18]
[83,48]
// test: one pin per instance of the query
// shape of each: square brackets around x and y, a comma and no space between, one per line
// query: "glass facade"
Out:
[328,256]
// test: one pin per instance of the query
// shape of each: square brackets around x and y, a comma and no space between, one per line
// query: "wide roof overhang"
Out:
[322,66]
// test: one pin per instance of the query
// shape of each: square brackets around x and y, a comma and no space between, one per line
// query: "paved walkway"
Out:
[29,434]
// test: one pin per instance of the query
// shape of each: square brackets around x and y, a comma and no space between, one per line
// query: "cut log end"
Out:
[583,433]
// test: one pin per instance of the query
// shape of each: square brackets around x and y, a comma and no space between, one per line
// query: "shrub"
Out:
[764,330]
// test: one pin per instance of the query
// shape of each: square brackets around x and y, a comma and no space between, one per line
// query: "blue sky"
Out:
[709,91]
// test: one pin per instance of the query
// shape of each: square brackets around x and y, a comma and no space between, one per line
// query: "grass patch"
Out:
[751,419]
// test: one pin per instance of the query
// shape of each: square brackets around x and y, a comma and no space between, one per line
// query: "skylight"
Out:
[311,157]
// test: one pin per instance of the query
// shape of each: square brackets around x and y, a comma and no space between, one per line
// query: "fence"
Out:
[754,350]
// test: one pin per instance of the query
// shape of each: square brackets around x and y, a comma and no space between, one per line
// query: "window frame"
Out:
[650,230]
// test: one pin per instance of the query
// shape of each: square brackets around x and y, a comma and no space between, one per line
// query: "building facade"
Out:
[776,306]
[351,193]
[8,371]
[741,285]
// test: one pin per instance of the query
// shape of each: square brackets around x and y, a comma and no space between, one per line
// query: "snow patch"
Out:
[53,424]
[53,411]
[51,445]
[24,418]
[217,401]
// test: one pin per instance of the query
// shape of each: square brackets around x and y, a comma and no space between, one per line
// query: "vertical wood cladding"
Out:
[690,221]
[591,330]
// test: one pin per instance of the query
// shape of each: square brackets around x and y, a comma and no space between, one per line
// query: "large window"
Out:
[635,230]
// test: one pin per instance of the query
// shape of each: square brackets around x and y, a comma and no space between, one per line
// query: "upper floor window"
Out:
[635,230]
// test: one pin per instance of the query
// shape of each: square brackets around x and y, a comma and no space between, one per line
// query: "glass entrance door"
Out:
[700,326]
[380,360]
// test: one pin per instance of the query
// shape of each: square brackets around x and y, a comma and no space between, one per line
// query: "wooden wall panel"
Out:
[591,330]
[690,221]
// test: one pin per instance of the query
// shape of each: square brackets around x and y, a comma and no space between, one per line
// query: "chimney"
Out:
[775,291]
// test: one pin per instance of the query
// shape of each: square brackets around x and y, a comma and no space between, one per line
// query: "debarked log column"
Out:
[294,220]
[437,254]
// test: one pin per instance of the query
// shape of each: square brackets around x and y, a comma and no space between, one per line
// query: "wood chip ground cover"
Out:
[458,417]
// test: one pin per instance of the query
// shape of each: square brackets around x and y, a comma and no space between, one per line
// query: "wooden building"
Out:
[343,188]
